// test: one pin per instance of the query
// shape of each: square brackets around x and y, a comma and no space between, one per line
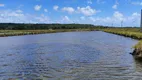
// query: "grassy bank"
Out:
[127,32]
[4,33]
[132,33]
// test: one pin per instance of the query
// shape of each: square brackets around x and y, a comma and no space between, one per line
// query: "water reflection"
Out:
[69,56]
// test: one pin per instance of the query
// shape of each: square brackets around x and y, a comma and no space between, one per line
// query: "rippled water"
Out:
[68,56]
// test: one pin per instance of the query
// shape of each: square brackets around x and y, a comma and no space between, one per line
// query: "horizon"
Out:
[95,12]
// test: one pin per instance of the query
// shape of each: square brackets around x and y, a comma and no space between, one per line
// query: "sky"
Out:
[96,12]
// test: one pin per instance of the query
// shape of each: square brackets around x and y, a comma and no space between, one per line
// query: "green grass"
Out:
[127,32]
[138,45]
[4,33]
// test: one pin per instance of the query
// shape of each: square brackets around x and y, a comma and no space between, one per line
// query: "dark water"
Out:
[68,56]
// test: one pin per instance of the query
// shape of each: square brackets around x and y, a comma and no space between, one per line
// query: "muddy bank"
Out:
[137,53]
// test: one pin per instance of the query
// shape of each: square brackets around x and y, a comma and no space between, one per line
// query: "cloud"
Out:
[134,19]
[136,14]
[45,10]
[19,11]
[37,7]
[82,18]
[2,5]
[100,1]
[116,19]
[118,15]
[65,19]
[55,7]
[87,11]
[92,19]
[42,19]
[10,16]
[137,3]
[68,9]
[114,6]
[89,2]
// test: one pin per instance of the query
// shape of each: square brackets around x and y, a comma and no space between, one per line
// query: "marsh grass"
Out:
[127,32]
[138,45]
[4,33]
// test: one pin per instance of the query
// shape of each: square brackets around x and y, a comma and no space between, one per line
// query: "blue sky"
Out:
[97,12]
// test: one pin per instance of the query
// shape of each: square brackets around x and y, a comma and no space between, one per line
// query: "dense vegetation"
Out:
[14,29]
[4,33]
[15,26]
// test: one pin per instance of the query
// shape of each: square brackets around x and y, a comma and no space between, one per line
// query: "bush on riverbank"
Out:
[138,50]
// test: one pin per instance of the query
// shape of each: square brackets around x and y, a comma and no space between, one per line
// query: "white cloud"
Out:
[114,6]
[137,3]
[2,5]
[116,19]
[87,11]
[136,14]
[68,9]
[101,21]
[19,11]
[134,19]
[37,7]
[20,6]
[92,19]
[42,19]
[65,19]
[82,18]
[45,10]
[89,2]
[100,1]
[118,15]
[9,16]
[56,7]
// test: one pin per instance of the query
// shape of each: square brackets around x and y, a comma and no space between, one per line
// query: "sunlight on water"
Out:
[68,56]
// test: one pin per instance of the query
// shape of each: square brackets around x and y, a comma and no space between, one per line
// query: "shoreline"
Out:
[8,33]
[137,52]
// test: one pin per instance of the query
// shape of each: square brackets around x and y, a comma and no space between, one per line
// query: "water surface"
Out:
[68,56]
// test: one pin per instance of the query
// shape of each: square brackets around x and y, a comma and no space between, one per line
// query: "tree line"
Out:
[21,26]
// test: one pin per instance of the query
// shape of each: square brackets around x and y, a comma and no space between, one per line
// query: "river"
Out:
[93,55]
